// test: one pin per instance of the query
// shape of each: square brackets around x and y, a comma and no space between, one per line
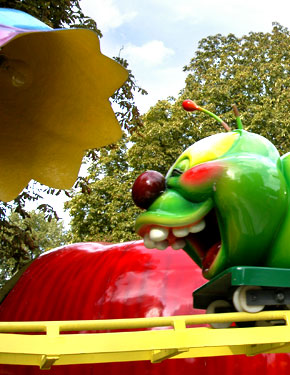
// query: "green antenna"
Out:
[238,118]
[190,106]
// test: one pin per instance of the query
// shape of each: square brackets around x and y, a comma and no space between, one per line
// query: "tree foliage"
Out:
[56,13]
[23,239]
[99,212]
[47,234]
[252,71]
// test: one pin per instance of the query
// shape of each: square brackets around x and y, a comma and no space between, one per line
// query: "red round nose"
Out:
[147,187]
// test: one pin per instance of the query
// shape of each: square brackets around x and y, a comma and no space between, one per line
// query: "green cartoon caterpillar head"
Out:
[223,201]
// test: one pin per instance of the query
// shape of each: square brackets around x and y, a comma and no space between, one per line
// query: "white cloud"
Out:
[163,82]
[239,16]
[152,53]
[106,13]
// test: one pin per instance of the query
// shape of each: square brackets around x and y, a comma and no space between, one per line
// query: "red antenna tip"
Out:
[190,106]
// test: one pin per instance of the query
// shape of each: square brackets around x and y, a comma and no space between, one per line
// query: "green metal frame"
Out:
[221,286]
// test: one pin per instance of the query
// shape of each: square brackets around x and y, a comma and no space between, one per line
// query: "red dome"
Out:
[94,281]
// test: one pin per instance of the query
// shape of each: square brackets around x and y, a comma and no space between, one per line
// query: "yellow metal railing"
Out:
[168,337]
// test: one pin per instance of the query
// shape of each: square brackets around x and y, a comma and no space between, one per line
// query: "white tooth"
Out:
[162,245]
[179,244]
[148,242]
[158,234]
[180,232]
[197,227]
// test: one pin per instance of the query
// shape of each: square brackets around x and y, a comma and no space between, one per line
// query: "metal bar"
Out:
[113,324]
[47,362]
[160,355]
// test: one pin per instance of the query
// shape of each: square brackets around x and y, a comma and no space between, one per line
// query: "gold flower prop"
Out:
[54,104]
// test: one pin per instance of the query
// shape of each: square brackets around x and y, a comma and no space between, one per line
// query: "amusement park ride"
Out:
[126,308]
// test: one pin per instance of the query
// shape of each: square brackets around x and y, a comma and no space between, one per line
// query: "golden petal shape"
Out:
[62,109]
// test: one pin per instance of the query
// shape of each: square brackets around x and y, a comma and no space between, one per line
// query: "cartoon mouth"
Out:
[202,238]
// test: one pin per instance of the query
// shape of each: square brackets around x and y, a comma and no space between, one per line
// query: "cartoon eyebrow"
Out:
[176,172]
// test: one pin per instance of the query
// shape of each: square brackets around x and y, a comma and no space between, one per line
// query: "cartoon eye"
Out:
[176,172]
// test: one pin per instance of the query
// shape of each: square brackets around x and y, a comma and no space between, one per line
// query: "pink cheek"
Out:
[201,174]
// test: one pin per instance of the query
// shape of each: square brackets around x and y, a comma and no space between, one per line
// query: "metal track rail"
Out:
[155,339]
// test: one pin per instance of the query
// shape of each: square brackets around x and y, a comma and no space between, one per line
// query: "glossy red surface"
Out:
[94,281]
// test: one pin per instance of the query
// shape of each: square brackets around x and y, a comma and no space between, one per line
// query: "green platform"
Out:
[223,285]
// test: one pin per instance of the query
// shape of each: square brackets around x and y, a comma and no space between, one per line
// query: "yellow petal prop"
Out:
[61,109]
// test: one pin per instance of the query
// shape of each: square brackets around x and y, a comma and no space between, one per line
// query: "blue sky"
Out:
[159,37]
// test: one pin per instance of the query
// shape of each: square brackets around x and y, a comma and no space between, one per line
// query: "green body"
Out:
[239,179]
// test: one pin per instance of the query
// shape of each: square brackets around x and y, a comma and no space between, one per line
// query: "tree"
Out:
[100,211]
[252,72]
[18,244]
[46,233]
[56,14]
[24,239]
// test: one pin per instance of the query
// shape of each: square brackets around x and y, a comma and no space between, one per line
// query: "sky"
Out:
[159,37]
